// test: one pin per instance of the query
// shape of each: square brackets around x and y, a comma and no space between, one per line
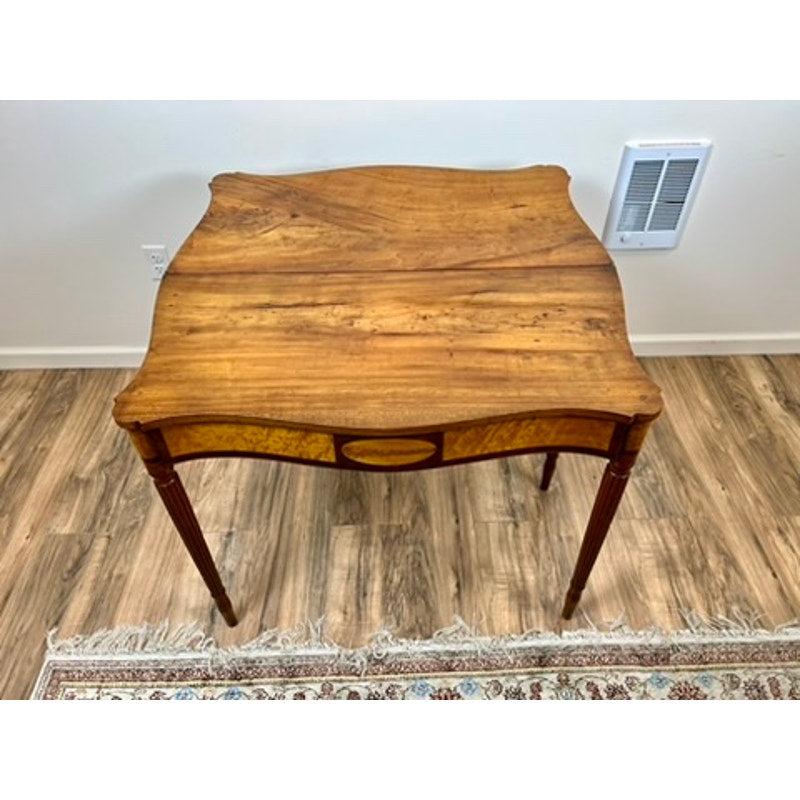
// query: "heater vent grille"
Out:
[654,191]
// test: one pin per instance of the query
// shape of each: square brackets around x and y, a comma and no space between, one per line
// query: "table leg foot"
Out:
[173,495]
[615,478]
[549,469]
[226,609]
[570,602]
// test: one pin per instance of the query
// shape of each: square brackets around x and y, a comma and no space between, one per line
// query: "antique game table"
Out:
[389,318]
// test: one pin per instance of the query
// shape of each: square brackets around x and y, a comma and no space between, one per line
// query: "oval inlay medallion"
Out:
[388,452]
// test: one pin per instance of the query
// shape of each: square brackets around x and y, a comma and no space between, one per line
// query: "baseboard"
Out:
[643,345]
[715,344]
[70,357]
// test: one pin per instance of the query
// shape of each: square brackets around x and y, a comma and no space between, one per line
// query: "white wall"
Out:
[84,184]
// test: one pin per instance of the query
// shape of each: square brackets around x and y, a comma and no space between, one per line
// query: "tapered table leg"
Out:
[609,494]
[180,509]
[549,469]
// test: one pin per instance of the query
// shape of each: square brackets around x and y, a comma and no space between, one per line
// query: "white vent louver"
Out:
[656,185]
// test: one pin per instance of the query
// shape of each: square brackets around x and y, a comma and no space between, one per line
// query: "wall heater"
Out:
[655,189]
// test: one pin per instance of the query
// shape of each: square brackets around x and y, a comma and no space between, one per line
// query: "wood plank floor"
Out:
[710,522]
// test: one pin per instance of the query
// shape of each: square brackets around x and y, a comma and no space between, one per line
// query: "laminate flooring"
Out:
[710,523]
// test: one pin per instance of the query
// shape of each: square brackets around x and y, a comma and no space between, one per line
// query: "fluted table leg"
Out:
[612,486]
[173,495]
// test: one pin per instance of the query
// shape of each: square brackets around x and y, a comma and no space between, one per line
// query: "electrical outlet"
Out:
[157,260]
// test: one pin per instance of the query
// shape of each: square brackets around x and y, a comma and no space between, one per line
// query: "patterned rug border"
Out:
[306,655]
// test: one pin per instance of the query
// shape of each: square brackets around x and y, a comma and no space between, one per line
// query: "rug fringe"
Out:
[190,639]
[146,638]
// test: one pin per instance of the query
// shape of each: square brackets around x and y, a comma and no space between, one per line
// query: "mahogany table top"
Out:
[389,300]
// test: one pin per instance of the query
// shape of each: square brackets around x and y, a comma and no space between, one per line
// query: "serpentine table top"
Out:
[386,318]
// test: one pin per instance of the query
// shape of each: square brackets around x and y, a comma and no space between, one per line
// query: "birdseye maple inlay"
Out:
[389,452]
[416,316]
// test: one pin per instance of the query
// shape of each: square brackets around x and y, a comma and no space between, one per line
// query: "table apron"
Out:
[182,441]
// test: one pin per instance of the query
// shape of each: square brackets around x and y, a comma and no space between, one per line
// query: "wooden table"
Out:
[389,318]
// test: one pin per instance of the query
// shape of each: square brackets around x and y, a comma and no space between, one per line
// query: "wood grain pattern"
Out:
[247,438]
[389,218]
[566,433]
[703,525]
[387,301]
[345,354]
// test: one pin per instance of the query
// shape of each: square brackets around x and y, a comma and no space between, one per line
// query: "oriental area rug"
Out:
[720,659]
